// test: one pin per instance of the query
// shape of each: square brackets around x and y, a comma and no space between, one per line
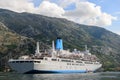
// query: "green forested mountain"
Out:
[100,41]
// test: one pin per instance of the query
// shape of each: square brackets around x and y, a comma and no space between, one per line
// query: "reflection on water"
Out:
[66,77]
[78,76]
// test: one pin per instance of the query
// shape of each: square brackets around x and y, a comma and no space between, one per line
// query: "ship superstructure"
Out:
[56,60]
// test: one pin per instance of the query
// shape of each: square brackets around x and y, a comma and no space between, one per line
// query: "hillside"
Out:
[11,44]
[100,41]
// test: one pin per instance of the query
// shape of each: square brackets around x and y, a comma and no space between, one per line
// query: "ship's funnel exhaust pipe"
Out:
[59,44]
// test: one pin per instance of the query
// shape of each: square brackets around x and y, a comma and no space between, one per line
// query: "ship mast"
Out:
[86,48]
[37,51]
[53,50]
[53,46]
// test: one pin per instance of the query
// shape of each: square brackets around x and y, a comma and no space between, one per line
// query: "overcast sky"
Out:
[102,13]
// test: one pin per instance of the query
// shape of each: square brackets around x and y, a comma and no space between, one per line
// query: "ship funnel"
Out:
[59,44]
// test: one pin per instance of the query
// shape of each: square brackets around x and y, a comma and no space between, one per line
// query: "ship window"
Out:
[45,58]
[81,64]
[78,62]
[13,61]
[26,61]
[54,59]
[66,60]
[31,61]
[36,61]
[17,61]
[68,63]
[20,61]
[88,62]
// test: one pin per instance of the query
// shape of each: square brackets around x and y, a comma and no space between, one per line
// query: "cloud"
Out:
[118,33]
[18,5]
[45,8]
[84,12]
[50,9]
[90,14]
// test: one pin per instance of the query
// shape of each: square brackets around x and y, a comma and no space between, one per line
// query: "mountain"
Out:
[11,44]
[100,41]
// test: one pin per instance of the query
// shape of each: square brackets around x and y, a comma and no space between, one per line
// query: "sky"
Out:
[102,13]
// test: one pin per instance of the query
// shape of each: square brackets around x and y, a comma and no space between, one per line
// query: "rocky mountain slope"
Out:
[100,41]
[11,44]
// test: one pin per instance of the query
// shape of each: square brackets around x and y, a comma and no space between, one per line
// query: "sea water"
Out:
[77,76]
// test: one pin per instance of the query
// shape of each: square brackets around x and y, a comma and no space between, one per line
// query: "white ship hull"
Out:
[44,66]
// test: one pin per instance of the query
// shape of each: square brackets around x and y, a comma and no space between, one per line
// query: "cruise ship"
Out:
[56,60]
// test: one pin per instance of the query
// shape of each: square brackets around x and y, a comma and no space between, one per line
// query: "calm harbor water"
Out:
[77,76]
